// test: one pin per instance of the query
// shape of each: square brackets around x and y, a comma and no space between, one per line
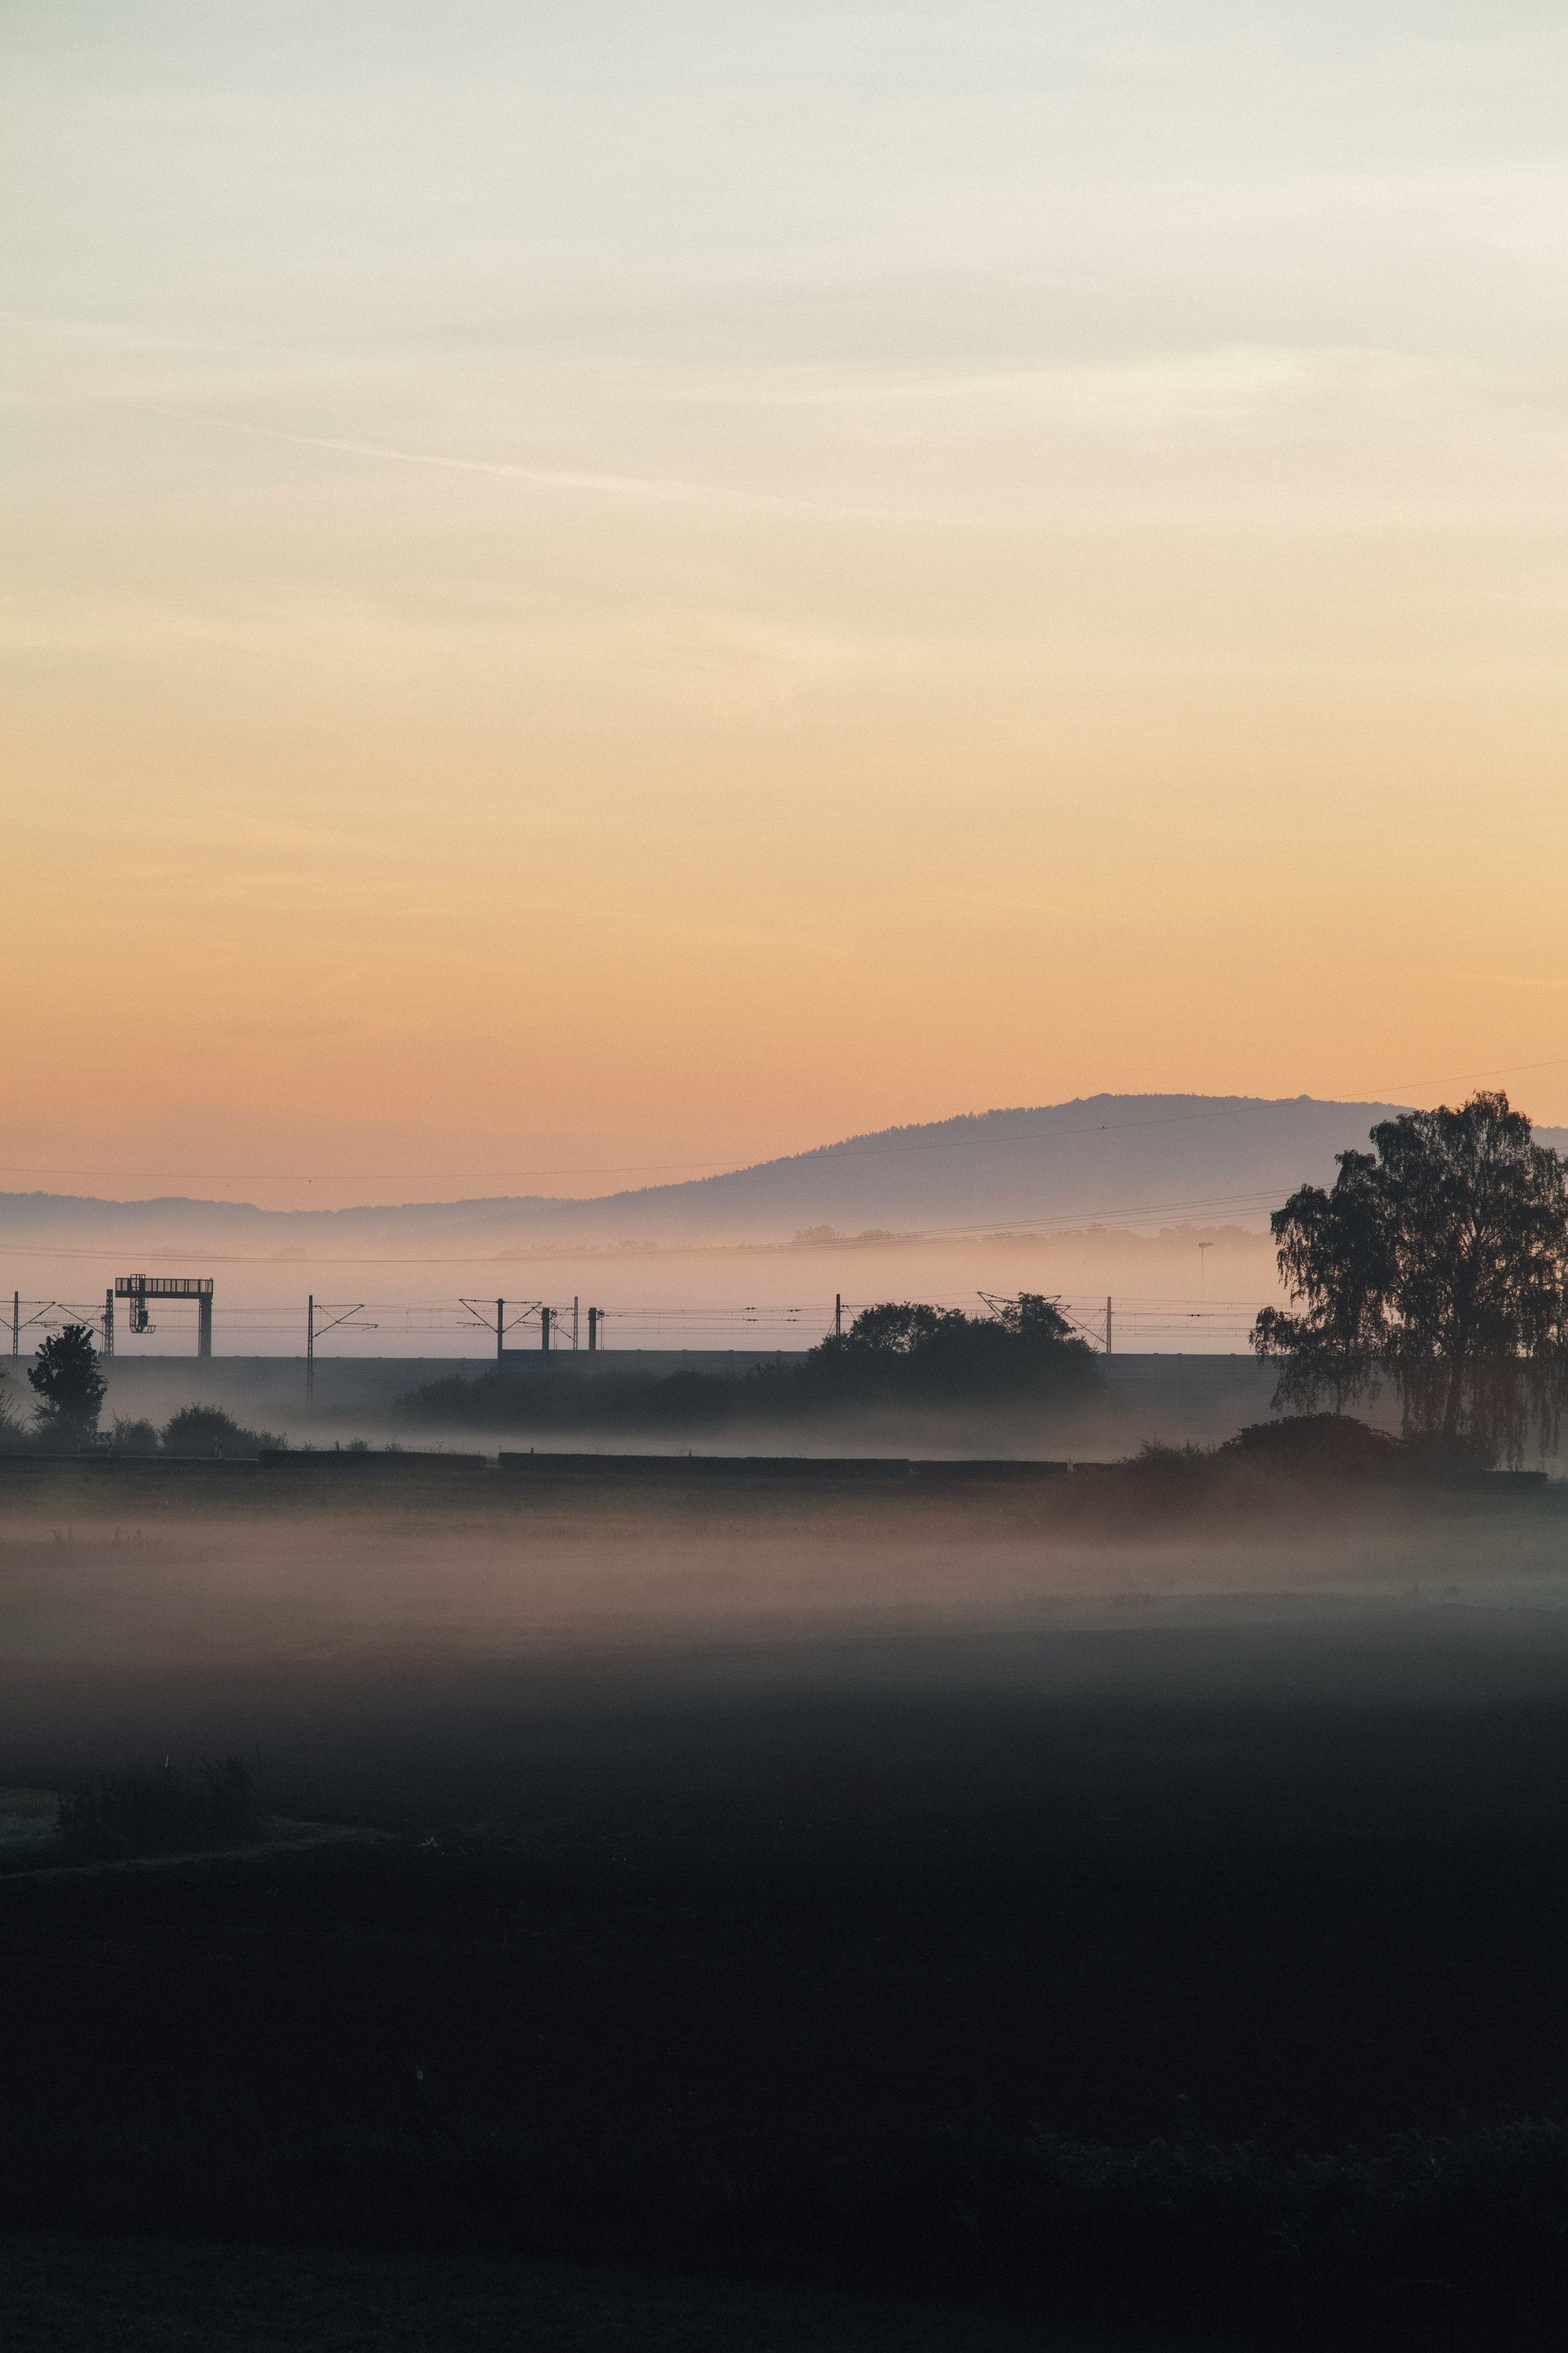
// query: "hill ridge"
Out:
[1090,1156]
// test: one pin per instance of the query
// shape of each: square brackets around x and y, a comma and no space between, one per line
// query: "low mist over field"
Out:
[123,1611]
[597,1859]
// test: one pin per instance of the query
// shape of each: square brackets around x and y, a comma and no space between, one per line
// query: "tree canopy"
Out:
[68,1385]
[1440,1260]
[902,1346]
[205,1429]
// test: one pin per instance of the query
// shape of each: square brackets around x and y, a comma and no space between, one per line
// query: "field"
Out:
[1067,1914]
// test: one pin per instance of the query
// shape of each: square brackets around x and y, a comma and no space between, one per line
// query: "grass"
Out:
[773,1986]
[170,1809]
[28,1824]
[683,2049]
[1425,2240]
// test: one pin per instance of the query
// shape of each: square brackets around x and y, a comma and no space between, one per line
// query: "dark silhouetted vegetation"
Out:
[1023,1348]
[943,2027]
[1444,2240]
[897,1354]
[1303,1471]
[1333,1257]
[207,1429]
[1318,1445]
[69,1387]
[1440,1260]
[166,1809]
[134,1437]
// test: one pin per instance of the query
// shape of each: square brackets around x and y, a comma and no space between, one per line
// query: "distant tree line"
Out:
[899,1354]
[1438,1261]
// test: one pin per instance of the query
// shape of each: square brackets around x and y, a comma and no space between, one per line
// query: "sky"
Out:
[590,593]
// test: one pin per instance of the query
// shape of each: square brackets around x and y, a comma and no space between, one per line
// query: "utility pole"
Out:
[837,1316]
[593,1331]
[109,1323]
[1108,1323]
[338,1317]
[573,1323]
[16,1326]
[500,1326]
[544,1315]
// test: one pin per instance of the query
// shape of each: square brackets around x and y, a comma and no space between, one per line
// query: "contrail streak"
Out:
[540,477]
[548,477]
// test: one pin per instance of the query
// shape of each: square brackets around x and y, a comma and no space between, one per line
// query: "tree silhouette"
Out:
[69,1384]
[895,1328]
[906,1347]
[1335,1259]
[1441,1257]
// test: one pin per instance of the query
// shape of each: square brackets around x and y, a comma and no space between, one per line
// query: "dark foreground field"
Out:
[1167,1930]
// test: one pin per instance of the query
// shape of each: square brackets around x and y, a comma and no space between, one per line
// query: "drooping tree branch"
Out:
[1442,1257]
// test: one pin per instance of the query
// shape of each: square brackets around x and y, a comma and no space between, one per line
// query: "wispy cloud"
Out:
[656,488]
[1222,384]
[547,478]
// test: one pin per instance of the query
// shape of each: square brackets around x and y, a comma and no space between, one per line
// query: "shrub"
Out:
[1319,1442]
[134,1437]
[1313,1447]
[207,1429]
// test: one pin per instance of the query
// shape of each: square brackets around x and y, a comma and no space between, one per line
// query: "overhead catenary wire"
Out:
[1176,1324]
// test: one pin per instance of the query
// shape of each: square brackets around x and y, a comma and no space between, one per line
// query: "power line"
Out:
[1145,1318]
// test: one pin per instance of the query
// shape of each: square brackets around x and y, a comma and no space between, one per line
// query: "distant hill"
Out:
[1144,1160]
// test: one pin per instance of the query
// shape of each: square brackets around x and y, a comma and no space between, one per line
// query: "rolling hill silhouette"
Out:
[1146,1161]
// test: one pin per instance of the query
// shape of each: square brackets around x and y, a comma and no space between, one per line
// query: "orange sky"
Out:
[582,601]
